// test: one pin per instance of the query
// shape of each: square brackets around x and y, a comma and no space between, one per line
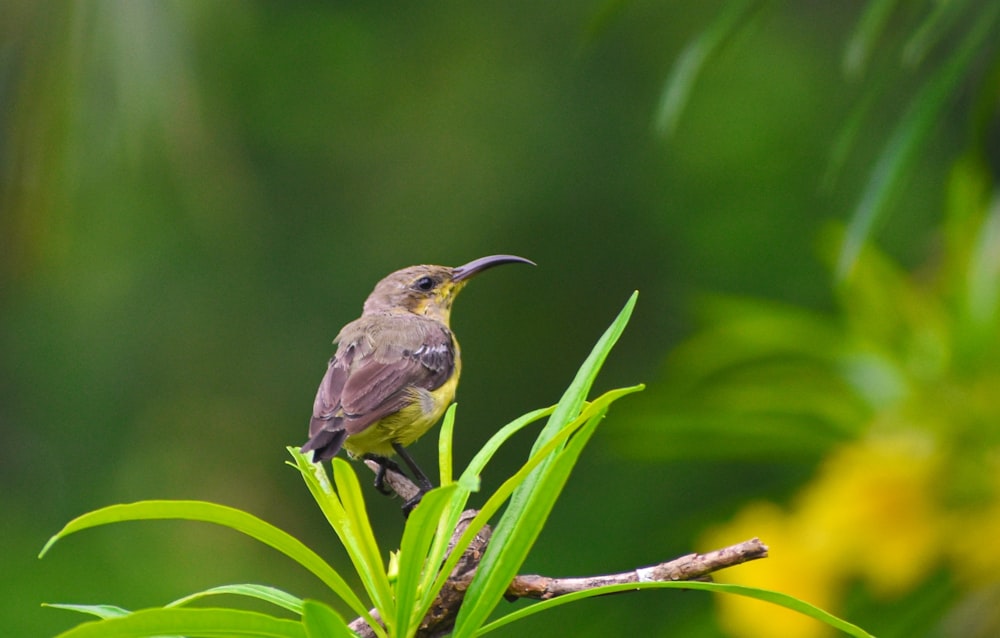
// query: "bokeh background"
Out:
[195,196]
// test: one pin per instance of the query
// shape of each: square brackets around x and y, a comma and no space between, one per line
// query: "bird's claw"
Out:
[384,465]
[379,482]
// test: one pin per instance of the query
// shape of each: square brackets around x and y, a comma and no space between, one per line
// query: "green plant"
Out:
[423,562]
[949,47]
[892,395]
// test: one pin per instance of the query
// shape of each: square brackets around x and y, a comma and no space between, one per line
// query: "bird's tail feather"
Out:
[325,444]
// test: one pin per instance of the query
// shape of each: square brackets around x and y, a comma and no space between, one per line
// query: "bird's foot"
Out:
[383,465]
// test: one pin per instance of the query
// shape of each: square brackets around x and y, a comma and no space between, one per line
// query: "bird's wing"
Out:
[376,368]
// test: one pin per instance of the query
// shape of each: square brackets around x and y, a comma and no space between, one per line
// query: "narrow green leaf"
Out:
[469,480]
[322,622]
[101,611]
[220,515]
[502,493]
[590,415]
[850,131]
[913,129]
[486,453]
[777,598]
[502,561]
[932,30]
[445,445]
[680,82]
[193,623]
[467,483]
[866,35]
[318,482]
[359,539]
[566,411]
[420,530]
[265,593]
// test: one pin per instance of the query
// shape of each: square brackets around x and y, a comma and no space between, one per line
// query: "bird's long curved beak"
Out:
[479,265]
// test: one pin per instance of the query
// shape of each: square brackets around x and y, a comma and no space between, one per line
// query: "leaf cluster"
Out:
[403,593]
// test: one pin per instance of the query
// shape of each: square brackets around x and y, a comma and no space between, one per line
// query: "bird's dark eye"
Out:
[424,283]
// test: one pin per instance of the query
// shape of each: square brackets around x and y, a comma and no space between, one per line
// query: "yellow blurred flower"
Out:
[870,514]
[794,566]
[875,500]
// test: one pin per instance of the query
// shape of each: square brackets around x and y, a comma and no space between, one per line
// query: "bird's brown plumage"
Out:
[379,366]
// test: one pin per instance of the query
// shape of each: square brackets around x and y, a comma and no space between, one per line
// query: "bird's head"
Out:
[429,290]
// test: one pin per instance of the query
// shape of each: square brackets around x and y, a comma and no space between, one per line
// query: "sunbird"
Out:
[395,370]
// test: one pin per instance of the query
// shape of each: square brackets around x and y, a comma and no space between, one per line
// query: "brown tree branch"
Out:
[441,618]
[690,567]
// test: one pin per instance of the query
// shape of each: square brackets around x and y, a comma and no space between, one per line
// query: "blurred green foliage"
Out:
[194,197]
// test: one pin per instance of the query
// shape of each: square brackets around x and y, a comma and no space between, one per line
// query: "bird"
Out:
[395,370]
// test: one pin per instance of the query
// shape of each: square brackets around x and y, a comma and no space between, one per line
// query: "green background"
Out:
[196,196]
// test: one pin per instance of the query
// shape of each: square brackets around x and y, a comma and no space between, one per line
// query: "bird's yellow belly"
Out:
[407,425]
